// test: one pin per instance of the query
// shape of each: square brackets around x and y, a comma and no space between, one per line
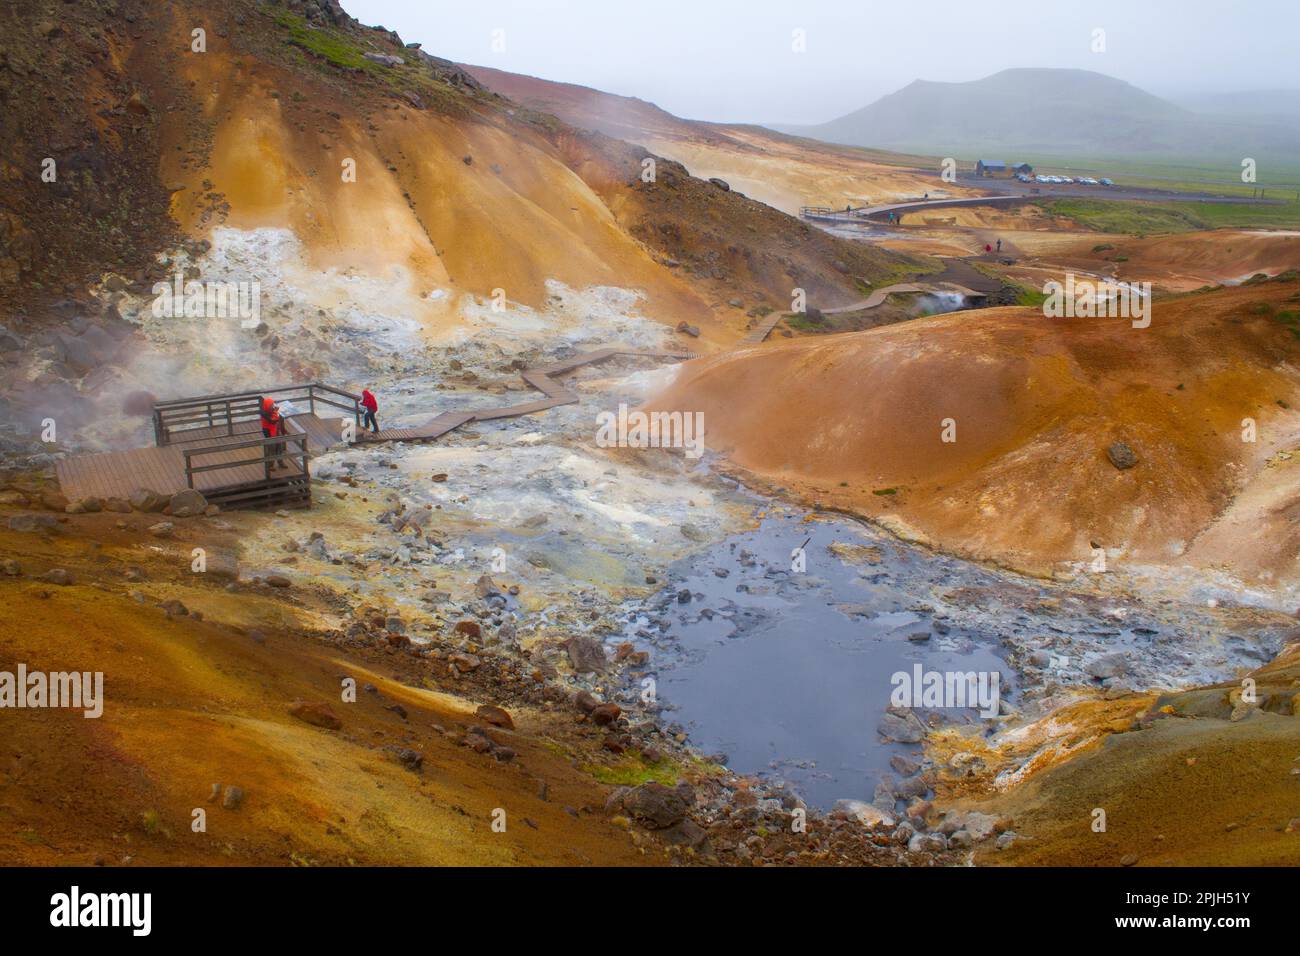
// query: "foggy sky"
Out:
[731,60]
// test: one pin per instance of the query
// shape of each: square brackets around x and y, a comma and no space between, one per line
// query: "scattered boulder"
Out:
[57,576]
[927,843]
[686,833]
[605,714]
[720,183]
[187,504]
[654,806]
[1107,666]
[868,815]
[586,654]
[232,797]
[82,506]
[142,499]
[163,529]
[901,727]
[496,716]
[315,713]
[1121,455]
[412,760]
[464,663]
[469,628]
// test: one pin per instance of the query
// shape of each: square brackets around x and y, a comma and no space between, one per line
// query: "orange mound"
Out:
[1187,261]
[857,422]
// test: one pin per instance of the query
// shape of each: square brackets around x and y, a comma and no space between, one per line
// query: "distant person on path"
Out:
[987,247]
[272,427]
[371,405]
[999,245]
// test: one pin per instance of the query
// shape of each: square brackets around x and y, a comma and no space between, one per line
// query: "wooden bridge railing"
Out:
[211,413]
[270,451]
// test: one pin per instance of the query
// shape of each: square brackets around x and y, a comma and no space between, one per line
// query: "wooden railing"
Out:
[269,451]
[826,212]
[212,415]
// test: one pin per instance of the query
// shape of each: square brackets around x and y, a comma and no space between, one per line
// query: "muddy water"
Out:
[788,673]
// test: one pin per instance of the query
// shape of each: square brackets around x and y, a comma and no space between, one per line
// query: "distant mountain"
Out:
[1049,112]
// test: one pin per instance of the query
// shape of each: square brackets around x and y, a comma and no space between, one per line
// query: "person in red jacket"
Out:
[371,405]
[272,427]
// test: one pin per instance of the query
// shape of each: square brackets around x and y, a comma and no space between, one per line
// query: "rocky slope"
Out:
[782,171]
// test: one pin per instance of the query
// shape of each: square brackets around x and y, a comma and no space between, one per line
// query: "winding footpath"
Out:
[540,378]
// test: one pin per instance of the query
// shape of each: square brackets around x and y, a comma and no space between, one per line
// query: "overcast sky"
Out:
[732,60]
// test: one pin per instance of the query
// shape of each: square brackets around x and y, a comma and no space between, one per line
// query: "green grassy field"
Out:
[1135,218]
[1220,176]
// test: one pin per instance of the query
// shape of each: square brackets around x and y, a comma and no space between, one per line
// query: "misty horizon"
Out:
[726,69]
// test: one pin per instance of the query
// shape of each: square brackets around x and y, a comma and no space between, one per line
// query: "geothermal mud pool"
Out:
[789,673]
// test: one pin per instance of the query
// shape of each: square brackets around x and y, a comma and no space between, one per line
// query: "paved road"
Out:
[1011,192]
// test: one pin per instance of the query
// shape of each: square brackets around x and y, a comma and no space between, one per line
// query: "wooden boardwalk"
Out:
[760,332]
[541,378]
[116,474]
[227,462]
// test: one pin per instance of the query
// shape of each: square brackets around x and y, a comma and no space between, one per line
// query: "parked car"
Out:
[1041,179]
[1107,182]
[1066,179]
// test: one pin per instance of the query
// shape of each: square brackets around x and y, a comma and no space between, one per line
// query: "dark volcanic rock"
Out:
[654,805]
[1121,455]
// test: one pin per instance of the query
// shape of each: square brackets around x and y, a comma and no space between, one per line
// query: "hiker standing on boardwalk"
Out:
[999,245]
[272,427]
[371,405]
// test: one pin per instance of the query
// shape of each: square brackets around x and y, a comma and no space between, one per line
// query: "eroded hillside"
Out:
[859,422]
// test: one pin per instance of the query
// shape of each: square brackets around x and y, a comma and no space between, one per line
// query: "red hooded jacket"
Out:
[368,400]
[271,424]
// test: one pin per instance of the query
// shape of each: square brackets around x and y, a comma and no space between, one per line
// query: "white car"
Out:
[1041,179]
